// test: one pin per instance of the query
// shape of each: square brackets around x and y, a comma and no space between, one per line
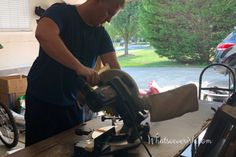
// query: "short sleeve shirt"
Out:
[49,80]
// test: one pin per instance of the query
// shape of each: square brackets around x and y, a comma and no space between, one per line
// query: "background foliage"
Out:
[124,25]
[186,31]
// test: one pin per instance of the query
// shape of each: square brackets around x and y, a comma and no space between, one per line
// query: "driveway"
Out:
[172,77]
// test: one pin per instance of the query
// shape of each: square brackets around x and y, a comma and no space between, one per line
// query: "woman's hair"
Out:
[121,2]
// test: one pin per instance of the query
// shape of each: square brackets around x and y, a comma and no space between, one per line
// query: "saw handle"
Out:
[94,100]
[81,82]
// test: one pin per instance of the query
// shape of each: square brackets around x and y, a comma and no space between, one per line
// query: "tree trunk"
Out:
[126,47]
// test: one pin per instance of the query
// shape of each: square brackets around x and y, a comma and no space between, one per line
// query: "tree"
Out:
[186,30]
[124,25]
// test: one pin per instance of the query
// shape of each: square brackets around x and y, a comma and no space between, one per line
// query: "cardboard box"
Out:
[13,84]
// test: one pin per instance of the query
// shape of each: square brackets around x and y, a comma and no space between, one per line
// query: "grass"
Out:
[144,58]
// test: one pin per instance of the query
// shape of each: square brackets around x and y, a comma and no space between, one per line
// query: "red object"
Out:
[152,89]
[224,46]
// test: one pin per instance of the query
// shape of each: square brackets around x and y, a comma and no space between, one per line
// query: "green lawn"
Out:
[147,58]
[144,57]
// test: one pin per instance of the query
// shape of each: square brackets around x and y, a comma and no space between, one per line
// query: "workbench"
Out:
[176,134]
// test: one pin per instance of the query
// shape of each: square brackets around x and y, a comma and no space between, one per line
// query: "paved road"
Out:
[166,77]
[132,47]
[172,77]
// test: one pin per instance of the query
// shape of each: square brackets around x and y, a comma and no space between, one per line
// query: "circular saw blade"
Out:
[109,74]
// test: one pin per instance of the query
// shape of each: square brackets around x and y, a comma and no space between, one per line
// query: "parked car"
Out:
[225,53]
[227,57]
[228,42]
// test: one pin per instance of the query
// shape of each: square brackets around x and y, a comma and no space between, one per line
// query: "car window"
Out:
[231,36]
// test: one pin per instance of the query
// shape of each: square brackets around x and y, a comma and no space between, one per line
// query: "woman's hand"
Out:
[90,75]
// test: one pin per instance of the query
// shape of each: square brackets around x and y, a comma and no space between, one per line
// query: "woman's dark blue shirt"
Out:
[52,82]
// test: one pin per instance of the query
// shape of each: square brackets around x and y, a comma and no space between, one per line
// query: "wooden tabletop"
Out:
[175,135]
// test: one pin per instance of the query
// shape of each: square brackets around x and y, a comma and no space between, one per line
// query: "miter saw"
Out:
[118,92]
